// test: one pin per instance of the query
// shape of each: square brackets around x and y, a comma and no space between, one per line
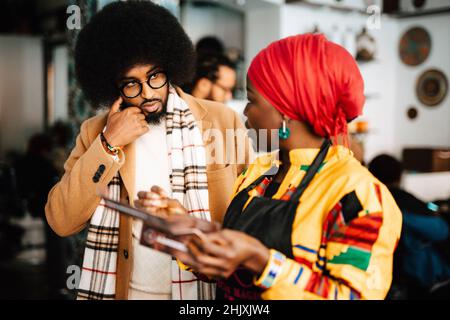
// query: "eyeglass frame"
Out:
[122,86]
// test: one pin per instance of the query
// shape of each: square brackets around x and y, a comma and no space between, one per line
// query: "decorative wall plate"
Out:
[415,46]
[432,87]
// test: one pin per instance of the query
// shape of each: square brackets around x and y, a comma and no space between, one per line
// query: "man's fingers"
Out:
[140,116]
[144,130]
[175,207]
[150,195]
[143,124]
[142,194]
[159,190]
[155,211]
[116,106]
[133,110]
[140,205]
[153,203]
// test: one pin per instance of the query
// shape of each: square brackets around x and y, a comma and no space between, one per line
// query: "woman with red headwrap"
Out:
[321,227]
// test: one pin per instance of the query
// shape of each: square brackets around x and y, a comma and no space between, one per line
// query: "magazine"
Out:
[166,234]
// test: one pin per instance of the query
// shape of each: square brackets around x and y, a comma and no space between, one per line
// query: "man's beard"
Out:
[155,118]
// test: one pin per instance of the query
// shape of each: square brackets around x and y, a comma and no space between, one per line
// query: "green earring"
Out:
[284,131]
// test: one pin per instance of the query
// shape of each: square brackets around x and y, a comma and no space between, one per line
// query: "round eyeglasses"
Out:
[132,89]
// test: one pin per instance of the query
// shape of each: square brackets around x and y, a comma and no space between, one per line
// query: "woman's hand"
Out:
[219,254]
[157,202]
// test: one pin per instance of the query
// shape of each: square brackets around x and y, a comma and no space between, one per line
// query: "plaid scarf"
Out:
[187,163]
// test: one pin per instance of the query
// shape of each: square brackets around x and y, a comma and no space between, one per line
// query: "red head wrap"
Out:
[310,79]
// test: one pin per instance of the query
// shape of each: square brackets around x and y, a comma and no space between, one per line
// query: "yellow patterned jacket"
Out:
[345,230]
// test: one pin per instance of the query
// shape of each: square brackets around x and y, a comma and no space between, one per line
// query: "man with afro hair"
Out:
[132,58]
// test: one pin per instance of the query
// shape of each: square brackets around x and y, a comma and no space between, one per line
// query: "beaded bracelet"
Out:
[114,150]
[272,269]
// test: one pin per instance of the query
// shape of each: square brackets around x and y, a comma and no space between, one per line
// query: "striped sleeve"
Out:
[355,258]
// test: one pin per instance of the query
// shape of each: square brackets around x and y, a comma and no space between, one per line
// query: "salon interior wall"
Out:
[262,26]
[432,126]
[221,22]
[379,75]
[21,91]
[390,85]
[265,24]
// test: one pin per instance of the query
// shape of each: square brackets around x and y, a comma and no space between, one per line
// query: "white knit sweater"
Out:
[151,273]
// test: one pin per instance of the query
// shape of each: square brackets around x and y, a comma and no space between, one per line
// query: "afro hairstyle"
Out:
[125,34]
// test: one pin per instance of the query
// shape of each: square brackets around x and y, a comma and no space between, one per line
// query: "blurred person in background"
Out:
[62,137]
[420,267]
[209,45]
[36,174]
[11,206]
[215,78]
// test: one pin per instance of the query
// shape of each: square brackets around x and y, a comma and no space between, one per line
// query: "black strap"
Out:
[312,170]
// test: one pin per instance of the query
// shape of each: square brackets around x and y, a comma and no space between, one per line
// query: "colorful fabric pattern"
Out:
[274,265]
[357,235]
[345,231]
[261,188]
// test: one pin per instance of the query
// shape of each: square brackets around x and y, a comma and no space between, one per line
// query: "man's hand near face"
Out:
[124,127]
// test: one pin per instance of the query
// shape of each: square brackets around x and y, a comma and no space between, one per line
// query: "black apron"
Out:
[268,220]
